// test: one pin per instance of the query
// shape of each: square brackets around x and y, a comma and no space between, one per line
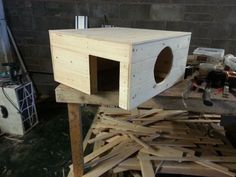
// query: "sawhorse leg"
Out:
[76,138]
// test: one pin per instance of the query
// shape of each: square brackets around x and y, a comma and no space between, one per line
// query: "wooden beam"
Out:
[171,167]
[76,137]
[216,167]
[110,163]
[89,133]
[146,165]
[103,149]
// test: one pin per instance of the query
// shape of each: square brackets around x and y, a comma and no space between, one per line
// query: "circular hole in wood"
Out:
[163,64]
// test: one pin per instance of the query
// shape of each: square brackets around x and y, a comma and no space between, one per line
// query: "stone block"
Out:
[159,25]
[220,30]
[122,23]
[225,14]
[201,42]
[233,32]
[20,22]
[228,45]
[95,22]
[210,9]
[60,9]
[38,8]
[135,11]
[82,9]
[199,2]
[100,9]
[198,17]
[44,24]
[160,12]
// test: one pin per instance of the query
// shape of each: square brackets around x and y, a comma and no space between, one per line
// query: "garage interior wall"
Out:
[212,23]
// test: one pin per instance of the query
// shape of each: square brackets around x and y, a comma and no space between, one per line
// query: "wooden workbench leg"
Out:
[76,138]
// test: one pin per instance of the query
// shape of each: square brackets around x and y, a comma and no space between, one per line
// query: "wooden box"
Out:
[139,63]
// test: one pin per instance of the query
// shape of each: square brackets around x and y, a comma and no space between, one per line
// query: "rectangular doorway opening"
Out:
[104,74]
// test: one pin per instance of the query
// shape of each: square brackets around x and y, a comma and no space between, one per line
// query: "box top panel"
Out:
[122,35]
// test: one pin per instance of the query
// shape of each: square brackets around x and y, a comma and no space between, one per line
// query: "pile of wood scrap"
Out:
[148,142]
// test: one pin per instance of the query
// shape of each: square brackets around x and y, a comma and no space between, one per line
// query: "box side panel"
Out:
[71,68]
[143,84]
[72,64]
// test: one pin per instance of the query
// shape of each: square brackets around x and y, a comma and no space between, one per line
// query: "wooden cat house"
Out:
[138,63]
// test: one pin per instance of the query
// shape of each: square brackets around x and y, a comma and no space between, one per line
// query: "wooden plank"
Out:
[101,136]
[172,143]
[149,113]
[199,121]
[114,111]
[164,151]
[76,137]
[197,140]
[103,149]
[110,163]
[187,151]
[146,165]
[89,133]
[114,152]
[185,168]
[216,167]
[217,159]
[189,169]
[127,125]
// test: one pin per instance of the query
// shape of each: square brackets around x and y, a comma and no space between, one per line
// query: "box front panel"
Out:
[71,68]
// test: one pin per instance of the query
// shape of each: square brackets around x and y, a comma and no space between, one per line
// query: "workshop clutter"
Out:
[18,113]
[152,141]
[230,61]
[216,72]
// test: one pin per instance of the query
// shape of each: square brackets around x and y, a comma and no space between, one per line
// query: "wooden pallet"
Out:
[146,142]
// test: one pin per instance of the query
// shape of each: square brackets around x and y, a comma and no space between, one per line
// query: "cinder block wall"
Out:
[212,23]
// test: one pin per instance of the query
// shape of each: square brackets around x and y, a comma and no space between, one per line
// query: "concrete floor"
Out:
[44,151]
